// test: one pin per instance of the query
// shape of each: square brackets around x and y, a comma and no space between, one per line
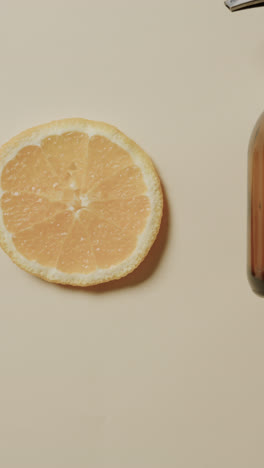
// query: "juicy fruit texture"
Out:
[74,203]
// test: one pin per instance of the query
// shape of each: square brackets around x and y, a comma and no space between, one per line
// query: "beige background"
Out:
[165,367]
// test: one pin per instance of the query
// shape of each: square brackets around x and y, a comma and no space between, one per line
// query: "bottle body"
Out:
[255,262]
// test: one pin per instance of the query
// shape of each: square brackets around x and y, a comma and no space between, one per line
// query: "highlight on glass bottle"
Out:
[256,208]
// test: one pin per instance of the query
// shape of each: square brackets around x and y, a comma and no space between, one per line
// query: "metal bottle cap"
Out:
[236,5]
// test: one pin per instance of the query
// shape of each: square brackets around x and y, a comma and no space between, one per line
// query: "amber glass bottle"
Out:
[256,208]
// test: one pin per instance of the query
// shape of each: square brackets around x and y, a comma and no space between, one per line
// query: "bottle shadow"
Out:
[147,268]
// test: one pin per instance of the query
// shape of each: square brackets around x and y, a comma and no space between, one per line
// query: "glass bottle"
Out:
[255,254]
[256,208]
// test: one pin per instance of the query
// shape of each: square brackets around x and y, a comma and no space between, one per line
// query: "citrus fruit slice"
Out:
[80,203]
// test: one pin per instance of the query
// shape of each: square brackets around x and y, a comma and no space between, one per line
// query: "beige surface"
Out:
[164,368]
